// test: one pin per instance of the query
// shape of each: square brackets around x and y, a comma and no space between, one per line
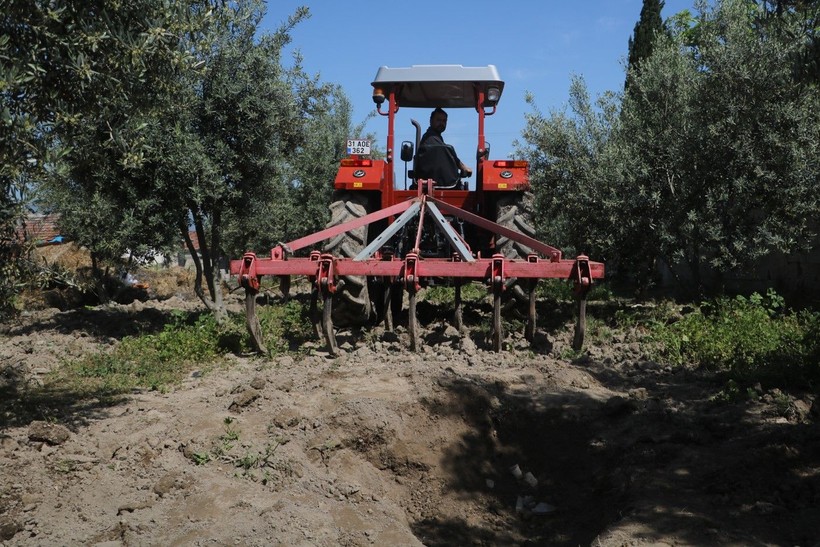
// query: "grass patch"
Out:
[188,341]
[152,361]
[561,290]
[285,327]
[753,339]
[446,294]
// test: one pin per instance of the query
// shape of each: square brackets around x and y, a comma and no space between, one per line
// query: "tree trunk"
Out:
[207,262]
[213,300]
[99,281]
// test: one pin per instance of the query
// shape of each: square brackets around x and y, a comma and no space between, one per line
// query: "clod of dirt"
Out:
[44,432]
[170,482]
[7,444]
[130,507]
[617,406]
[244,399]
[258,383]
[286,418]
[516,471]
[9,527]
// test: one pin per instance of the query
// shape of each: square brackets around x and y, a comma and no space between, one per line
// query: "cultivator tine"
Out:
[529,330]
[326,286]
[252,321]
[497,282]
[284,286]
[582,277]
[458,317]
[315,319]
[497,333]
[387,299]
[327,323]
[249,279]
[413,323]
[396,302]
[411,283]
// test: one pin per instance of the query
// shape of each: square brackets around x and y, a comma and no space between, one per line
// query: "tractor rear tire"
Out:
[515,211]
[351,302]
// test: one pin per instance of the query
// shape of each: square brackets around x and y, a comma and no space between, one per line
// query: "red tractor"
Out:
[387,237]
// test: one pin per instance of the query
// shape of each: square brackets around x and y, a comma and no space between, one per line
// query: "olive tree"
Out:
[70,69]
[708,164]
[728,139]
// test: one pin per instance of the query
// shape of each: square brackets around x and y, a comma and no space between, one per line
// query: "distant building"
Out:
[41,229]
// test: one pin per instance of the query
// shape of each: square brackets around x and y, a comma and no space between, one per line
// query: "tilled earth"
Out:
[455,445]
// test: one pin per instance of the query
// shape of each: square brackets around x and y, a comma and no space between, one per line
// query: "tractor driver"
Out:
[438,123]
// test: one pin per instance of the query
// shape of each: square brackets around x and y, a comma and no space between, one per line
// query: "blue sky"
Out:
[536,45]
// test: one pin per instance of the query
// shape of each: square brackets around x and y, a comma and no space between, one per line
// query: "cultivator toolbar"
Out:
[409,272]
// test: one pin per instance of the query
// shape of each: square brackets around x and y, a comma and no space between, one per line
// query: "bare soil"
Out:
[454,445]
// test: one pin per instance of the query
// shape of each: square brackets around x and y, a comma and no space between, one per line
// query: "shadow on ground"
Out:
[665,463]
[23,401]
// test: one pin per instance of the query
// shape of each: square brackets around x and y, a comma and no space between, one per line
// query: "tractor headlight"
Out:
[493,94]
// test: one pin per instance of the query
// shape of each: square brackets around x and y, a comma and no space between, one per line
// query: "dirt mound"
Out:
[452,445]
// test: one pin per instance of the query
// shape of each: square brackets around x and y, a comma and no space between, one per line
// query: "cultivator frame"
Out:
[323,269]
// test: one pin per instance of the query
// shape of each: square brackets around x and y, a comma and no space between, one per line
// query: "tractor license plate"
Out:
[358,147]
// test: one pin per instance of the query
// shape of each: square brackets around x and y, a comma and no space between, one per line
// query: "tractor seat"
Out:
[437,162]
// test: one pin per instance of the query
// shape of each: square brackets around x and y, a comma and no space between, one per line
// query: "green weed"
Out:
[186,342]
[224,445]
[200,458]
[231,433]
[445,294]
[153,361]
[285,326]
[598,331]
[753,339]
[561,290]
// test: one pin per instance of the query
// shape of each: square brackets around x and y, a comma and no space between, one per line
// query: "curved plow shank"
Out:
[411,283]
[252,322]
[529,330]
[582,275]
[327,323]
[497,280]
[387,304]
[458,316]
[315,319]
[413,323]
[497,333]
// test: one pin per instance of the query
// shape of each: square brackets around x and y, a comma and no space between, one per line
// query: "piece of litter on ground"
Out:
[543,508]
[530,479]
[516,471]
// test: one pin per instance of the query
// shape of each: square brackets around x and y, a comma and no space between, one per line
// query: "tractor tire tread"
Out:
[351,302]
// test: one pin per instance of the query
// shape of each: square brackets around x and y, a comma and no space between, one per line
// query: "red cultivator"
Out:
[382,241]
[408,273]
